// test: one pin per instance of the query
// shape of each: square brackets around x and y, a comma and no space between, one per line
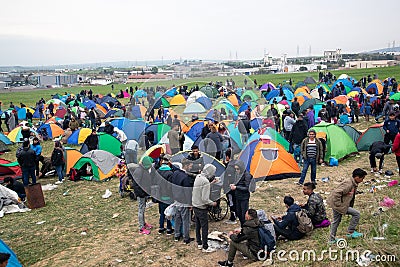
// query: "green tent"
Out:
[249,94]
[107,143]
[338,143]
[395,96]
[372,134]
[277,137]
[209,91]
[352,132]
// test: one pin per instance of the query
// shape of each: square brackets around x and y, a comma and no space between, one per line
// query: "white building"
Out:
[333,55]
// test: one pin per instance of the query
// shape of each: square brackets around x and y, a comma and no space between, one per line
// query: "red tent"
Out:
[8,168]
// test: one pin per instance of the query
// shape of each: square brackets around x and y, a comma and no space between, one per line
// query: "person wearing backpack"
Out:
[57,159]
[314,208]
[248,233]
[288,225]
[341,200]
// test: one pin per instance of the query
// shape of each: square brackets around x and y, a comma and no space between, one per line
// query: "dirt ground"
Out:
[119,243]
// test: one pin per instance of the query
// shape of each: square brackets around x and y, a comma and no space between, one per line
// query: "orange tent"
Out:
[184,127]
[342,99]
[71,157]
[303,89]
[234,100]
[268,160]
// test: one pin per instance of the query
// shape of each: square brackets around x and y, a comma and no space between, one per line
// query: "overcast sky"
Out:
[45,32]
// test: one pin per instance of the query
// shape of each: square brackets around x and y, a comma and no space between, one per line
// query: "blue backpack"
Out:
[267,241]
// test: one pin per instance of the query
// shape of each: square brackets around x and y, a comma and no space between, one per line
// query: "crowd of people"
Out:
[185,188]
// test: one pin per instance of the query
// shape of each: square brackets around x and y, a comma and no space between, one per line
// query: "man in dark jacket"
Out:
[142,182]
[182,186]
[287,225]
[92,141]
[15,186]
[378,149]
[92,118]
[248,233]
[26,159]
[298,133]
[108,128]
[391,128]
[244,127]
[197,159]
[295,106]
[241,190]
[228,179]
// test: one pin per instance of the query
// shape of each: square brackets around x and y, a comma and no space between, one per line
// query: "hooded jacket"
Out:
[242,186]
[290,222]
[201,188]
[299,132]
[343,196]
[182,187]
[249,233]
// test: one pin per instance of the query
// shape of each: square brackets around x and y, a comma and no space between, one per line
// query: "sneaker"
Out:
[208,250]
[161,231]
[148,226]
[333,241]
[298,183]
[144,231]
[355,234]
[58,182]
[231,222]
[170,231]
[199,247]
[314,182]
[225,263]
[177,238]
[372,170]
[380,171]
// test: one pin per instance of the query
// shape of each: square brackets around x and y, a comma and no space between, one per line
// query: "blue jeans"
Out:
[307,163]
[161,208]
[26,172]
[182,220]
[141,210]
[59,170]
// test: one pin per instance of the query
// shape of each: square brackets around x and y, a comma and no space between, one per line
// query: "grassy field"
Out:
[111,224]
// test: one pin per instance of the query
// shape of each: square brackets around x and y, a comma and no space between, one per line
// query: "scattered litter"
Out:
[365,261]
[149,204]
[49,187]
[150,261]
[373,189]
[90,198]
[140,252]
[380,186]
[378,238]
[115,215]
[387,202]
[325,179]
[66,193]
[131,253]
[168,258]
[118,260]
[83,233]
[393,183]
[41,222]
[218,236]
[107,194]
